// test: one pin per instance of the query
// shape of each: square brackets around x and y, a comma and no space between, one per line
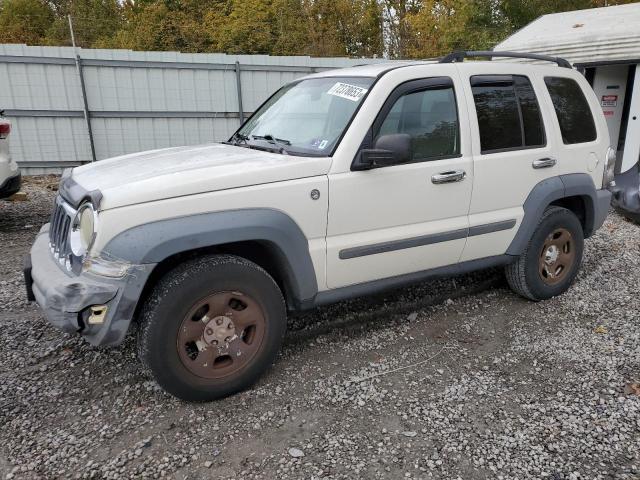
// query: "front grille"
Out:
[61,218]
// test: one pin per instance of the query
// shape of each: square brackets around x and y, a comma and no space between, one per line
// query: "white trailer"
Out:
[604,44]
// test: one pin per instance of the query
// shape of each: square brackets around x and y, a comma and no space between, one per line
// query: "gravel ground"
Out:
[451,379]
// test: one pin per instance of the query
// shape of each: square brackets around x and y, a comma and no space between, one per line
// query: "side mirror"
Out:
[388,150]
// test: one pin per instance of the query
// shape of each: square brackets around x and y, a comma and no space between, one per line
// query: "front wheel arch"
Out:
[263,254]
[265,236]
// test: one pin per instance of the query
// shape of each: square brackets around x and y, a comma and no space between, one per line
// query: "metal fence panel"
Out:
[136,100]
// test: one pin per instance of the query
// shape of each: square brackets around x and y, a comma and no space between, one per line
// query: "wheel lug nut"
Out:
[209,331]
[227,339]
[215,342]
[219,321]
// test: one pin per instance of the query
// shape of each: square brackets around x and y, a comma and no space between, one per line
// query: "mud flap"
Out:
[28,279]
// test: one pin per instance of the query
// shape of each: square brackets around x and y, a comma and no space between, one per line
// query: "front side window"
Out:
[572,110]
[305,118]
[508,113]
[430,118]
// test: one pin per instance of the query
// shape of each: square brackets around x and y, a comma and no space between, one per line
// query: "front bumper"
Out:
[66,298]
[11,185]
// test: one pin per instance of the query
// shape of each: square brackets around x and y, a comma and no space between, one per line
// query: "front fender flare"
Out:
[155,241]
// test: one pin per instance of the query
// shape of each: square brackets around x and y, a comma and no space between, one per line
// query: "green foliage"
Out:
[356,28]
[24,21]
[436,27]
[442,26]
[169,25]
[243,26]
[94,21]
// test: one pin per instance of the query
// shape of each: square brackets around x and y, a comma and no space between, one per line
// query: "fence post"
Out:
[239,90]
[87,118]
[85,104]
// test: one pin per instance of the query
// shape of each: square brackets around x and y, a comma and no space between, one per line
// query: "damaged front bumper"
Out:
[68,300]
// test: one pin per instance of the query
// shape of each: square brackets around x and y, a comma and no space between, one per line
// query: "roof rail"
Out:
[459,56]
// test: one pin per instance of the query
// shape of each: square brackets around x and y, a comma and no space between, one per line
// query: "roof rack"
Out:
[459,56]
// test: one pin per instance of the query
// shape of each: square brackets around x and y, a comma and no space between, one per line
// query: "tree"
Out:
[94,22]
[397,29]
[441,26]
[291,28]
[158,25]
[355,28]
[24,21]
[344,28]
[244,26]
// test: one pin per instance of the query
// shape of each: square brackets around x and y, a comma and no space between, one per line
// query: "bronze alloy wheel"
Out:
[557,256]
[221,334]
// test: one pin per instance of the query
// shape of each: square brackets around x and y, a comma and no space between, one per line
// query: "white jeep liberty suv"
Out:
[342,184]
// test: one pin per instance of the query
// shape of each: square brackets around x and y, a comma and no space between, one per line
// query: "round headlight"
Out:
[83,230]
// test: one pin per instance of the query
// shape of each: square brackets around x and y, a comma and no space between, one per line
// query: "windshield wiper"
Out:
[270,138]
[275,141]
[237,138]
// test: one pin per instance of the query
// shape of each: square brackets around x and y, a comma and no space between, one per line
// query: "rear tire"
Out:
[551,260]
[211,327]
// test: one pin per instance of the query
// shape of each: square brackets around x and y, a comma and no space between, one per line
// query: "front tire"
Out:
[211,327]
[550,262]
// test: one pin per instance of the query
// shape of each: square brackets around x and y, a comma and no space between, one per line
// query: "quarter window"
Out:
[572,109]
[430,117]
[508,113]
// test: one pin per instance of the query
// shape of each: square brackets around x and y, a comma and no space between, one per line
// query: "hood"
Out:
[172,172]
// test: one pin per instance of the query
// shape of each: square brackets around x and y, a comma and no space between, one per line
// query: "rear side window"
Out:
[572,110]
[508,113]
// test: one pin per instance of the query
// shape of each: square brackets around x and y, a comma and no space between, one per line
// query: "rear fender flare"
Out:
[556,188]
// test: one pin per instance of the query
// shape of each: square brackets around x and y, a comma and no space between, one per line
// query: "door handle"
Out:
[449,177]
[544,163]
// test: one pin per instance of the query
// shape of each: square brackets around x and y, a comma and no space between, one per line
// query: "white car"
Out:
[342,184]
[10,178]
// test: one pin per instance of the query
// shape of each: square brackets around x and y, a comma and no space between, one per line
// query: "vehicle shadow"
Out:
[376,311]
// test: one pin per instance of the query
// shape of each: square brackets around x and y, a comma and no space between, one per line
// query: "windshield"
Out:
[304,118]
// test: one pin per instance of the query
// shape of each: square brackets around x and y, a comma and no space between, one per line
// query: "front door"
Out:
[412,215]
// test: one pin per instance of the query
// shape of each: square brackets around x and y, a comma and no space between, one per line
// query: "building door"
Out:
[619,97]
[631,152]
[610,85]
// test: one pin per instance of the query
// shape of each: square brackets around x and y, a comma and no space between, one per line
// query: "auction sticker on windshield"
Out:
[350,92]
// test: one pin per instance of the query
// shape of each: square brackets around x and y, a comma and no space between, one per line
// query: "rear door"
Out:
[514,148]
[410,216]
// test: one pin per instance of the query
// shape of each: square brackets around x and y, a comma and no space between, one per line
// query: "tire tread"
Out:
[515,272]
[170,279]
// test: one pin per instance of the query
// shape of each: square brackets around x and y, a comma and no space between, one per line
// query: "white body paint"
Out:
[358,208]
